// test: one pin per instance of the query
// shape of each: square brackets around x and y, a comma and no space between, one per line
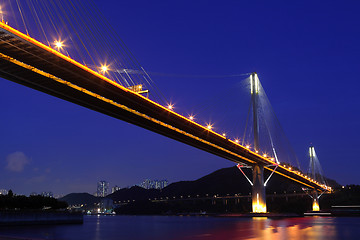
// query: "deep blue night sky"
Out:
[307,57]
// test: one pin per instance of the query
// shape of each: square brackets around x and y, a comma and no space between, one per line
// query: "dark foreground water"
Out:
[198,228]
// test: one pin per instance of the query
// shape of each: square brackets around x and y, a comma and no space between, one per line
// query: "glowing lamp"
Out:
[104,68]
[59,44]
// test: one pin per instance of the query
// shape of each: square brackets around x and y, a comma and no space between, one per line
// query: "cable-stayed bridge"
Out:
[29,62]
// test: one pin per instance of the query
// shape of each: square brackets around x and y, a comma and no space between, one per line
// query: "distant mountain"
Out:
[221,182]
[226,181]
[80,198]
[134,193]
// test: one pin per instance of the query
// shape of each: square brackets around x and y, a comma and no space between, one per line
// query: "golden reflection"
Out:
[271,229]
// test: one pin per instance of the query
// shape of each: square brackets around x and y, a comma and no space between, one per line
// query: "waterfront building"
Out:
[3,192]
[102,188]
[106,205]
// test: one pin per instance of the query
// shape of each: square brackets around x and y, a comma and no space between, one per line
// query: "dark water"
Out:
[177,228]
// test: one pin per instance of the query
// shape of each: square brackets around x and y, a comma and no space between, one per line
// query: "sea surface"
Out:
[192,227]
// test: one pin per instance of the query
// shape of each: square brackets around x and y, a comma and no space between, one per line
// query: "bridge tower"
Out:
[258,187]
[312,172]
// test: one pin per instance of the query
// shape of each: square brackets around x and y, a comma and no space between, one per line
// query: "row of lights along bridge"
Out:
[104,68]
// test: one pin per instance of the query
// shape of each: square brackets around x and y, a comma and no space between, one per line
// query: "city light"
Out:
[104,68]
[59,45]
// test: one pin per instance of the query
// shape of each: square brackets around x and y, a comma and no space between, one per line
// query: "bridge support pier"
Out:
[258,190]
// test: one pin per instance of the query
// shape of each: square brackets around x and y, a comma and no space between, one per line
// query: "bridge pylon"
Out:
[258,186]
[315,173]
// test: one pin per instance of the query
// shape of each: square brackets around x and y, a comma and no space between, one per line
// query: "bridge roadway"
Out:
[26,61]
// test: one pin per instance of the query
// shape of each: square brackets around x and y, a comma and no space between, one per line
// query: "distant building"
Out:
[115,188]
[3,192]
[47,194]
[106,205]
[154,184]
[147,184]
[57,196]
[160,184]
[102,188]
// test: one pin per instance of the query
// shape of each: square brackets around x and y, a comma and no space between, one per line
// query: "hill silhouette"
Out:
[226,181]
[80,198]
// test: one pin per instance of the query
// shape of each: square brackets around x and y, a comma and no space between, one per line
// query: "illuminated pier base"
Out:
[258,190]
[315,205]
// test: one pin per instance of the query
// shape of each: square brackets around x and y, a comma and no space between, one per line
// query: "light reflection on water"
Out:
[188,228]
[290,228]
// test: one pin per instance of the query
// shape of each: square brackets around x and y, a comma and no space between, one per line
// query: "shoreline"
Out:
[17,218]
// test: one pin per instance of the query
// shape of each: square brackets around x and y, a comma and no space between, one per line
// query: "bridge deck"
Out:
[33,64]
